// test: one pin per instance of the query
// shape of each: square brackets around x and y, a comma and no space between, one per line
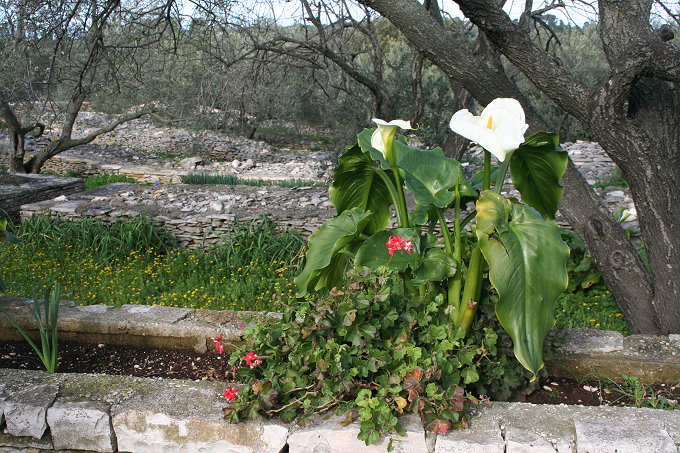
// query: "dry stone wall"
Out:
[19,189]
[133,150]
[196,215]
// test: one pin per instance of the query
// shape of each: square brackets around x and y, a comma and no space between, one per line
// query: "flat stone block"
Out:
[519,440]
[25,411]
[483,436]
[586,340]
[182,418]
[621,435]
[329,436]
[534,428]
[84,425]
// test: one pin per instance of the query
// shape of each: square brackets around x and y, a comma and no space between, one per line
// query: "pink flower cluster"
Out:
[398,243]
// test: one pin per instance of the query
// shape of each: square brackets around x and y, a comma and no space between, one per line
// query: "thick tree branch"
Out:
[544,70]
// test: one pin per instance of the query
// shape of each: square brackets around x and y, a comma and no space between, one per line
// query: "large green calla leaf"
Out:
[373,253]
[431,176]
[356,184]
[536,168]
[437,265]
[527,266]
[324,265]
[364,140]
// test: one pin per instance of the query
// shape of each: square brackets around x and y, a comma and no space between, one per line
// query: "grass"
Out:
[231,180]
[611,181]
[92,182]
[136,262]
[252,271]
[594,308]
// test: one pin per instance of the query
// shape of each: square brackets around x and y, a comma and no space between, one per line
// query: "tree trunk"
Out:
[649,302]
[647,151]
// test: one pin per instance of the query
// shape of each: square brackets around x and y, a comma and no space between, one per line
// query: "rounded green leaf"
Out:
[431,176]
[436,266]
[536,168]
[527,266]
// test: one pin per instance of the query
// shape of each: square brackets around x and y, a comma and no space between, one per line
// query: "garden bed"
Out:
[145,413]
[169,363]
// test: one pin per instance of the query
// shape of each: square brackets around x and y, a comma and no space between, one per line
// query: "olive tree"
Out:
[60,52]
[633,113]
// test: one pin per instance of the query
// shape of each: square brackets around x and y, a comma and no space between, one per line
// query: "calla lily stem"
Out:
[501,174]
[395,198]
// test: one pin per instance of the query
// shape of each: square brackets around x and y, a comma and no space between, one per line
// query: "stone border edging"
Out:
[142,415]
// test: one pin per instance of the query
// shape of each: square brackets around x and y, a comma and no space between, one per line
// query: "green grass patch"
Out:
[135,262]
[92,182]
[611,181]
[251,271]
[594,308]
[232,180]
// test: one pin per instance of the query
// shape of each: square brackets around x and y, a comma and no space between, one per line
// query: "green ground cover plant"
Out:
[232,180]
[137,263]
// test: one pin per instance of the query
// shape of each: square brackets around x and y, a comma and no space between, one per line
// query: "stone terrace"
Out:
[200,214]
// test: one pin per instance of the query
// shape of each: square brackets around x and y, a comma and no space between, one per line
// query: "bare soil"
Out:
[186,364]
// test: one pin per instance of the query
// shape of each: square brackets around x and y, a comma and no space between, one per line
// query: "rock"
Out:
[248,164]
[190,420]
[61,198]
[621,435]
[235,163]
[190,163]
[329,436]
[216,206]
[588,340]
[81,425]
[25,411]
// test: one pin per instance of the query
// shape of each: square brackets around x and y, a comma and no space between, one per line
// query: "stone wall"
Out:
[17,189]
[197,216]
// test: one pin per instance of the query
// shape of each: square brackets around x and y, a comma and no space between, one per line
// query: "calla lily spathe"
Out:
[499,129]
[383,136]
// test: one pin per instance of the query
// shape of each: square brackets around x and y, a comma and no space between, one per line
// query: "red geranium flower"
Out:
[251,359]
[218,345]
[230,393]
[398,243]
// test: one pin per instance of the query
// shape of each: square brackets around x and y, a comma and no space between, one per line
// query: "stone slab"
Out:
[329,436]
[83,425]
[560,418]
[8,441]
[622,435]
[25,411]
[183,417]
[584,340]
[484,435]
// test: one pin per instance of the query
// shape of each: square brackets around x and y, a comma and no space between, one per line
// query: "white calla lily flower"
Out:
[499,129]
[383,136]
